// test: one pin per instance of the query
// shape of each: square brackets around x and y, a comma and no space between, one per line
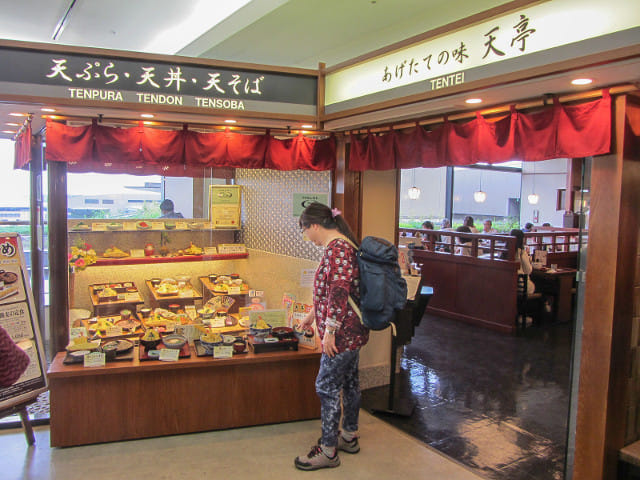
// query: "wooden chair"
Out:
[529,305]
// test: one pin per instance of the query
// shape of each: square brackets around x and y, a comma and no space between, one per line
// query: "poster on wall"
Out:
[303,200]
[225,205]
[18,318]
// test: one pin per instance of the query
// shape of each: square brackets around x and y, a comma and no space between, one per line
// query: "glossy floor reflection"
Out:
[496,403]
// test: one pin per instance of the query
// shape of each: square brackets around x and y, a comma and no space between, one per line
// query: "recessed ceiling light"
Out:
[147,123]
[16,114]
[47,109]
[12,132]
[307,125]
[147,115]
[581,81]
[230,121]
[473,100]
[12,124]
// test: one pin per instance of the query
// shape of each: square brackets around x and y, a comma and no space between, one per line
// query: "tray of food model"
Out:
[262,338]
[114,294]
[110,327]
[209,339]
[230,284]
[152,342]
[179,288]
[114,350]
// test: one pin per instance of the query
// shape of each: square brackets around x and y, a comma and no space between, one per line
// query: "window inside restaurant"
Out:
[96,195]
[509,194]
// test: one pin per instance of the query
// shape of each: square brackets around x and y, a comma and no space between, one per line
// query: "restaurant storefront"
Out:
[381,130]
[396,104]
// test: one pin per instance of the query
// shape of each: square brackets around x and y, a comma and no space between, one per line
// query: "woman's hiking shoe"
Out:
[349,446]
[316,459]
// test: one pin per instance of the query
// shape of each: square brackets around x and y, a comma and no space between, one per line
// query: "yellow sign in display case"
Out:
[225,205]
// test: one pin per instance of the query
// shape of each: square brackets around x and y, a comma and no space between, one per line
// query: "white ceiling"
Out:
[295,33]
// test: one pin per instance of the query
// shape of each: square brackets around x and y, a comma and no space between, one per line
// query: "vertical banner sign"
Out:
[224,201]
[18,318]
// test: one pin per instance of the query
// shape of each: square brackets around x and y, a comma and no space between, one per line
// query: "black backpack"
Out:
[382,288]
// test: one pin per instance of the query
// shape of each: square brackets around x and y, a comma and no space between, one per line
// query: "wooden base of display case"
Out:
[196,394]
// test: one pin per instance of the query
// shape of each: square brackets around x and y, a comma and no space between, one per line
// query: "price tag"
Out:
[224,248]
[233,290]
[256,293]
[95,359]
[182,226]
[75,332]
[129,226]
[169,354]
[99,227]
[210,250]
[222,352]
[157,225]
[132,296]
[137,253]
[114,331]
[217,322]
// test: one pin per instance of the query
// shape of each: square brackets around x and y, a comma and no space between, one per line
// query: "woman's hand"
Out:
[308,320]
[329,344]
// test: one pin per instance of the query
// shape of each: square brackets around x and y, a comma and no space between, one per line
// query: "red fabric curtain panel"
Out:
[301,153]
[373,152]
[22,149]
[557,131]
[225,149]
[68,144]
[118,145]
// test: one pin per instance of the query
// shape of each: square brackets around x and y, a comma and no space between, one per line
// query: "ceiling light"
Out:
[12,124]
[479,196]
[16,114]
[230,121]
[307,125]
[473,100]
[414,193]
[533,198]
[47,109]
[146,115]
[9,131]
[581,81]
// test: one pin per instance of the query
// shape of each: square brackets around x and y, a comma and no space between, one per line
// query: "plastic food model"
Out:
[101,325]
[82,343]
[150,339]
[193,250]
[108,293]
[114,252]
[167,289]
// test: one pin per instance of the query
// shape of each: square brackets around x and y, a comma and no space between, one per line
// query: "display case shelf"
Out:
[101,262]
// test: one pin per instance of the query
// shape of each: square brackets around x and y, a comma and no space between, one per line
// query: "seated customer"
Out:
[488,228]
[445,239]
[468,222]
[523,258]
[463,244]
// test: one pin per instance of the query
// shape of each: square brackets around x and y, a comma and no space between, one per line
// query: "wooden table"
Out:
[559,285]
[129,400]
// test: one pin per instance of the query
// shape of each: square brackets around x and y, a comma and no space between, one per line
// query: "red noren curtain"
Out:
[147,151]
[22,149]
[555,132]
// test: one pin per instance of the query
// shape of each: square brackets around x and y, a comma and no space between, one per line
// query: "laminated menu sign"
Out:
[224,201]
[19,319]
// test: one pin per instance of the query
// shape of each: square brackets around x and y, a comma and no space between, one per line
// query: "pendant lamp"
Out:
[414,192]
[479,196]
[533,197]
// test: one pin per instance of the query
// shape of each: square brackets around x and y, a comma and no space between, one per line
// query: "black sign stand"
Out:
[402,330]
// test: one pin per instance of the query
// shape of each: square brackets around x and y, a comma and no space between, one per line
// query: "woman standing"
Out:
[341,331]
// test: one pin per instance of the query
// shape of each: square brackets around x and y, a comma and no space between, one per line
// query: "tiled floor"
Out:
[496,403]
[256,453]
